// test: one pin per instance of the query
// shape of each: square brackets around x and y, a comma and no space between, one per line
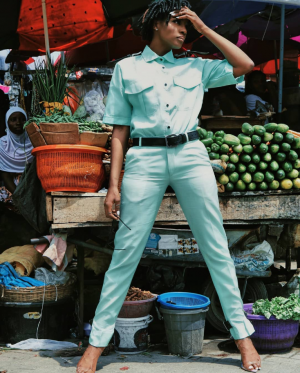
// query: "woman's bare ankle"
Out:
[95,350]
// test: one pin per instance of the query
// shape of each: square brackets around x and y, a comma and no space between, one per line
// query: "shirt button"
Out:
[169,127]
[161,59]
[163,67]
[165,84]
[167,105]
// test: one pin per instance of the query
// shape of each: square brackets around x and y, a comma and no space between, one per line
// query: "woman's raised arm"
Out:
[240,62]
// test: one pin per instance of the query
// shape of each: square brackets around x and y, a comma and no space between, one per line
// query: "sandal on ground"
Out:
[249,370]
[84,371]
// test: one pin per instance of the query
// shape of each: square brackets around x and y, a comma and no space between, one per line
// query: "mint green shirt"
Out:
[161,95]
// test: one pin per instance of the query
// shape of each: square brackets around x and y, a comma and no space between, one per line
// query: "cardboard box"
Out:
[61,138]
[60,133]
[167,246]
[187,246]
[168,238]
[93,139]
[35,135]
[60,127]
[153,240]
[168,242]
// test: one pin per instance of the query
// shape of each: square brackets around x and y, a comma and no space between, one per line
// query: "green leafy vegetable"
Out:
[51,81]
[60,117]
[281,308]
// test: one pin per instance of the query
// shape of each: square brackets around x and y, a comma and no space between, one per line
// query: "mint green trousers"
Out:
[148,172]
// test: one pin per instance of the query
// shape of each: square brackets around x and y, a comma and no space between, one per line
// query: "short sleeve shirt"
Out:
[161,95]
[251,101]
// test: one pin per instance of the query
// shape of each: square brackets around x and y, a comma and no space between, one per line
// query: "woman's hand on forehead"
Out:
[188,14]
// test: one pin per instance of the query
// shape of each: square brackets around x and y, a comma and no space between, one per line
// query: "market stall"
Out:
[261,159]
[272,208]
[259,174]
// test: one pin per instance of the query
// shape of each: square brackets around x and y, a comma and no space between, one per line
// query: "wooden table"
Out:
[229,122]
[76,210]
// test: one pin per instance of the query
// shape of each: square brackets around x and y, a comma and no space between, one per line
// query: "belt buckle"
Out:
[170,137]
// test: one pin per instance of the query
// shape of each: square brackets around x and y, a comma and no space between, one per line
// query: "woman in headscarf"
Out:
[15,153]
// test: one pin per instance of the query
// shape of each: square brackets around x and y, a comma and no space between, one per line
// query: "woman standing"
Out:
[152,97]
[15,153]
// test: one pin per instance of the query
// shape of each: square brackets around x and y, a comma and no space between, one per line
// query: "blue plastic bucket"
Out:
[183,301]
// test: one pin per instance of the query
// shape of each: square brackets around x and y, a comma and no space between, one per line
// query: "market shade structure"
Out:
[269,68]
[101,53]
[71,24]
[257,29]
[74,23]
[213,12]
[263,51]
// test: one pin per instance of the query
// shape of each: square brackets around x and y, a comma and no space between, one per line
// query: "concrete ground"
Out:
[218,355]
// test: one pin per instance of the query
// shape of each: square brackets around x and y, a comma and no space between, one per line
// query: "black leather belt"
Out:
[170,141]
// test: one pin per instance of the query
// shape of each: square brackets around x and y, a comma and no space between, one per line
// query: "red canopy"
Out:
[269,67]
[71,24]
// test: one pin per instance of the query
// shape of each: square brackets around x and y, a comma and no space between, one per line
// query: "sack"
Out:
[23,258]
[259,257]
[42,344]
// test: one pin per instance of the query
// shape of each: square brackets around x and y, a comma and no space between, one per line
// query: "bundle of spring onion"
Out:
[59,117]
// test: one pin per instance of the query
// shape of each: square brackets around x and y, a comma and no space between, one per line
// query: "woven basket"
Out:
[36,293]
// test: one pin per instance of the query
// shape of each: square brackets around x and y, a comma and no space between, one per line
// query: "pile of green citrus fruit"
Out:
[259,158]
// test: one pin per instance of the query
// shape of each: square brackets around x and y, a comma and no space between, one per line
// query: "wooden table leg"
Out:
[288,259]
[298,256]
[80,275]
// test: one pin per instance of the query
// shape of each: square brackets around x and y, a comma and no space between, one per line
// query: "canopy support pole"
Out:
[276,59]
[45,22]
[62,57]
[282,24]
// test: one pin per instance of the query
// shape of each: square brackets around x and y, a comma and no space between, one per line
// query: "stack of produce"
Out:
[64,117]
[135,294]
[259,158]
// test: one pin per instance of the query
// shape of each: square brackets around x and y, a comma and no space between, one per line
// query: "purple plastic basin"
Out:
[272,335]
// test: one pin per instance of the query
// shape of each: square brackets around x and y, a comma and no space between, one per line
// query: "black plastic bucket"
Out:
[19,321]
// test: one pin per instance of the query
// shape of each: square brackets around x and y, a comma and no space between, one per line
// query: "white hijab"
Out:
[15,150]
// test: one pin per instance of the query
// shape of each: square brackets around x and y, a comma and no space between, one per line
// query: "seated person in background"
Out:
[226,100]
[15,153]
[260,93]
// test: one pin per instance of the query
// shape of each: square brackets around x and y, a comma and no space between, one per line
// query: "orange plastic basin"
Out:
[75,168]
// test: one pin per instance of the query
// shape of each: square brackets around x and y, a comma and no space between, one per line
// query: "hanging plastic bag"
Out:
[92,95]
[258,257]
[42,344]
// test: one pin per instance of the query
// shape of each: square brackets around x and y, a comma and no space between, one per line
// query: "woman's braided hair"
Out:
[158,10]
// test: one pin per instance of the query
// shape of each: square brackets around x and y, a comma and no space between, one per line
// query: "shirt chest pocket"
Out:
[187,91]
[143,96]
